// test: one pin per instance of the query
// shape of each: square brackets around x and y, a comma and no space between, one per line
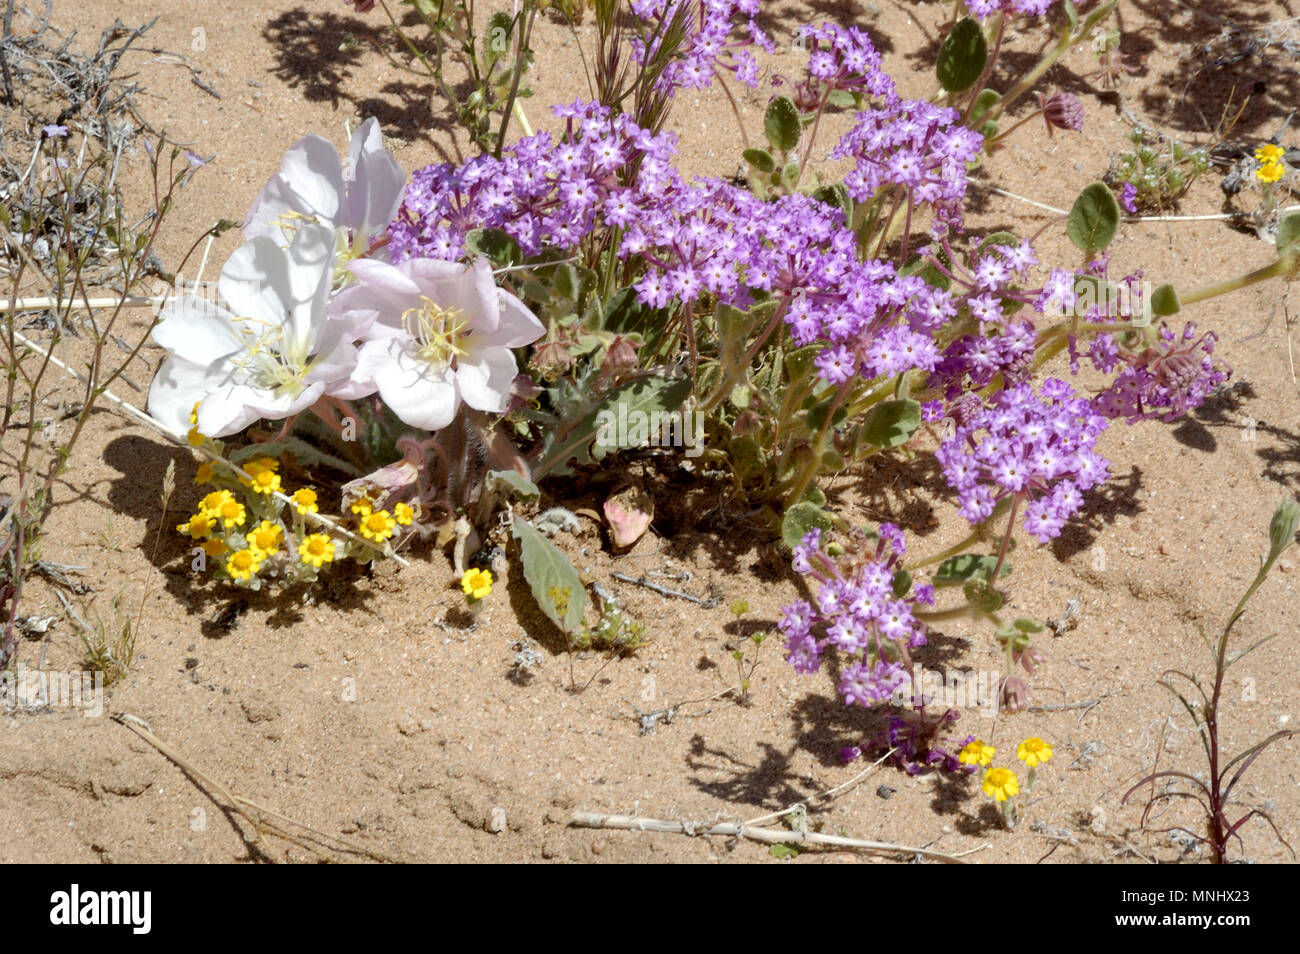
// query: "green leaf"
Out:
[800,363]
[891,423]
[784,850]
[1282,528]
[1027,625]
[1288,235]
[512,483]
[552,578]
[968,566]
[781,124]
[1165,301]
[982,596]
[760,159]
[1094,218]
[986,100]
[837,197]
[651,396]
[496,41]
[566,281]
[790,175]
[963,56]
[499,247]
[997,238]
[902,584]
[815,495]
[842,98]
[800,520]
[624,314]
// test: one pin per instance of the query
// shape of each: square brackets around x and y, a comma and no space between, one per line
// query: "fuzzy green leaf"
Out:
[891,423]
[512,483]
[962,57]
[760,159]
[552,578]
[802,518]
[781,124]
[1094,218]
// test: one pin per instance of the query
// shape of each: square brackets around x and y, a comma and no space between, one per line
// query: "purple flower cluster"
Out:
[986,8]
[857,613]
[708,46]
[1163,381]
[542,193]
[1036,447]
[917,145]
[844,59]
[919,743]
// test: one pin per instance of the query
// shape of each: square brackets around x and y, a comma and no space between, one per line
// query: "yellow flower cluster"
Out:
[1001,784]
[222,522]
[1269,158]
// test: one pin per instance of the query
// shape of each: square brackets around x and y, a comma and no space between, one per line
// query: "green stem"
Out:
[1281,267]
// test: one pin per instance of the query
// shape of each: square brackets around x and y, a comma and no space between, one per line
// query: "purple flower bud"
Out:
[1062,111]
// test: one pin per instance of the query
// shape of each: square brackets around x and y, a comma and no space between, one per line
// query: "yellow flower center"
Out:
[437,332]
[274,360]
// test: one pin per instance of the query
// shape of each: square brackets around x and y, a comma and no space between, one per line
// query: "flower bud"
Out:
[1062,111]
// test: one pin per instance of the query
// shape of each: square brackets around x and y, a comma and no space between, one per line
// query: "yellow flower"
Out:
[262,476]
[231,513]
[243,564]
[1000,784]
[1270,172]
[215,547]
[194,437]
[1268,153]
[266,537]
[199,526]
[976,753]
[204,474]
[377,526]
[213,502]
[476,583]
[316,549]
[363,506]
[403,514]
[305,500]
[1034,752]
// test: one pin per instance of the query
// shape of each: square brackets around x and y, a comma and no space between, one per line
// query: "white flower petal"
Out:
[312,169]
[177,387]
[417,393]
[374,190]
[485,383]
[198,330]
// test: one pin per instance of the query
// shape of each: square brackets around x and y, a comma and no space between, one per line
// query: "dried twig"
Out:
[768,836]
[665,591]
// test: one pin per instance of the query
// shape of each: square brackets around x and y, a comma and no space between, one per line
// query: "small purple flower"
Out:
[1128,198]
[55,131]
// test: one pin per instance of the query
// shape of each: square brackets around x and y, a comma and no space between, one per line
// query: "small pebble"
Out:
[884,791]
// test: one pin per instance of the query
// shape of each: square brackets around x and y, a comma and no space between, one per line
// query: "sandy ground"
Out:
[368,715]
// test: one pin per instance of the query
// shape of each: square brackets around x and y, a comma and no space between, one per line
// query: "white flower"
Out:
[271,354]
[357,200]
[441,334]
